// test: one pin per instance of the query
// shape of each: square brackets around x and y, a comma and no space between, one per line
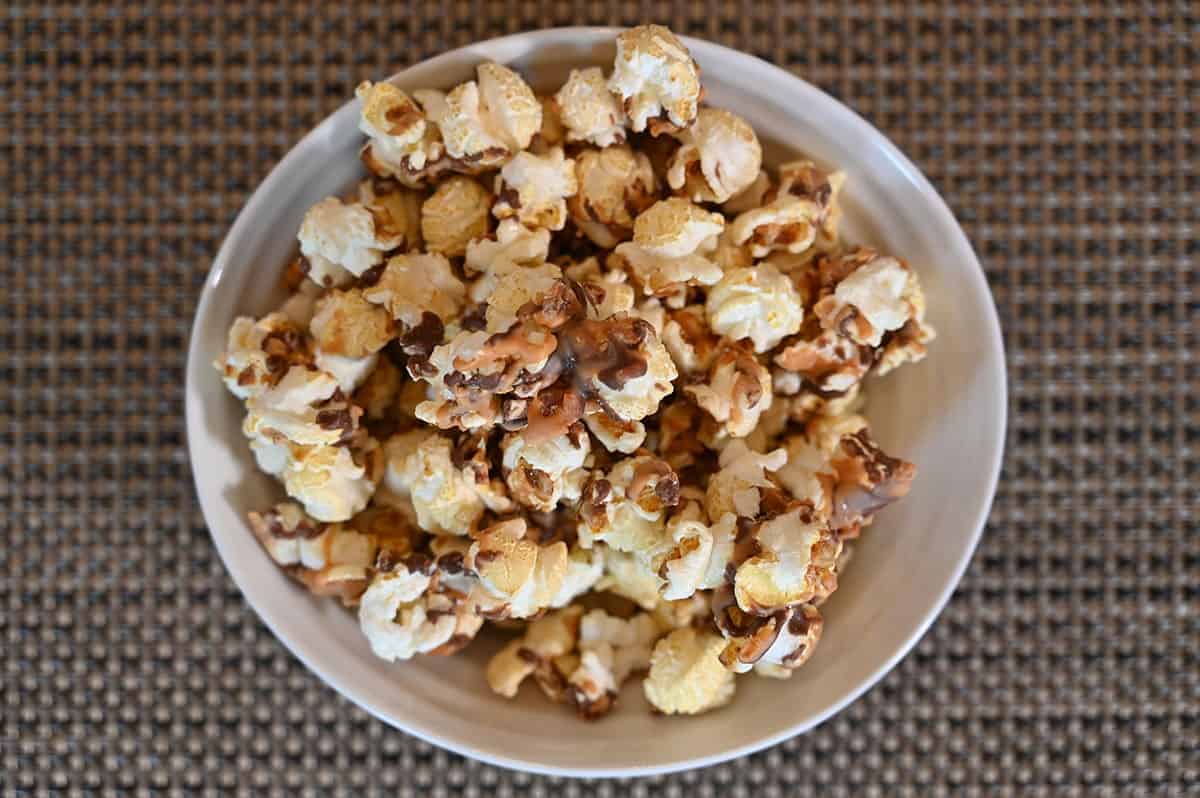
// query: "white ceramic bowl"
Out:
[947,414]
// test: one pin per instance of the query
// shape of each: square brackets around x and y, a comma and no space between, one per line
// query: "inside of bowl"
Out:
[941,414]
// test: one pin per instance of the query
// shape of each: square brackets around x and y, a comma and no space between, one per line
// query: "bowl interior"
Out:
[946,414]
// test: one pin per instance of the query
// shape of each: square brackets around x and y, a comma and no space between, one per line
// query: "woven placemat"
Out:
[1063,135]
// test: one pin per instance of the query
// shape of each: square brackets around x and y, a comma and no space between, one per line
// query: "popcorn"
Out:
[718,158]
[797,640]
[620,362]
[674,227]
[347,324]
[737,487]
[630,576]
[486,123]
[611,649]
[737,390]
[349,372]
[700,555]
[533,189]
[516,570]
[542,472]
[412,285]
[686,675]
[868,302]
[457,213]
[588,110]
[340,240]
[296,409]
[396,206]
[398,144]
[514,247]
[800,208]
[757,303]
[448,494]
[830,362]
[546,639]
[616,435]
[538,462]
[688,339]
[656,79]
[515,289]
[615,185]
[330,483]
[669,240]
[867,481]
[415,608]
[795,563]
[627,507]
[259,353]
[750,197]
[329,559]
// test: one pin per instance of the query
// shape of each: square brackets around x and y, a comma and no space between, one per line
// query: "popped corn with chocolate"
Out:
[580,365]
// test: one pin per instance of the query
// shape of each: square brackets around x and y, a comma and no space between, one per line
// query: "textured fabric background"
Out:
[1063,135]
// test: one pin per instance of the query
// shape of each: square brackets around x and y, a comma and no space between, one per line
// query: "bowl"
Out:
[947,414]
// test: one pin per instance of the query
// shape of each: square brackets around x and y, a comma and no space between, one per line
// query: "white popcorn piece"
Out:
[515,570]
[585,567]
[611,649]
[669,242]
[346,324]
[329,559]
[797,640]
[341,240]
[399,141]
[514,247]
[396,206]
[757,303]
[737,391]
[396,619]
[486,123]
[588,110]
[330,484]
[869,301]
[656,79]
[674,227]
[796,562]
[700,555]
[293,409]
[513,289]
[541,473]
[630,576]
[615,185]
[259,353]
[689,340]
[446,501]
[686,675]
[533,189]
[802,211]
[349,372]
[719,157]
[736,488]
[458,211]
[546,639]
[412,285]
[616,435]
[640,397]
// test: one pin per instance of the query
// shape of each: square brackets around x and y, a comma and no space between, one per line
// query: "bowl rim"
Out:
[748,65]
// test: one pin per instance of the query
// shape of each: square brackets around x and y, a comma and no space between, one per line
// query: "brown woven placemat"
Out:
[1065,138]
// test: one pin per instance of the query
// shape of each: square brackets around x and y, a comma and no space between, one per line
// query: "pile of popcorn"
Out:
[578,365]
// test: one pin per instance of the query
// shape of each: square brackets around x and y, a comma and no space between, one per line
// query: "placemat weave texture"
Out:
[1064,137]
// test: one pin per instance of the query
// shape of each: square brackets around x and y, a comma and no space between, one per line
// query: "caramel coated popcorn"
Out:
[580,365]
